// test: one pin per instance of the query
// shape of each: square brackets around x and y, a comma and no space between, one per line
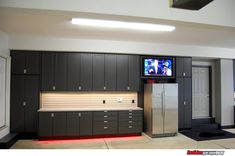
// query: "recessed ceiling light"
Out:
[121,24]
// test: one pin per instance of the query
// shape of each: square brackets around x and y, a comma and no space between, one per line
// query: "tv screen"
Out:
[158,67]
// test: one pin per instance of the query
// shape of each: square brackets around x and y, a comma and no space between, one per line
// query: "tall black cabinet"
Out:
[184,80]
[24,91]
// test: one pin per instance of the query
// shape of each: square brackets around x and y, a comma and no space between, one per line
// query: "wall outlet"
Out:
[119,100]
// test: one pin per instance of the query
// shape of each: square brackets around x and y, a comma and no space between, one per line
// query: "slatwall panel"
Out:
[88,100]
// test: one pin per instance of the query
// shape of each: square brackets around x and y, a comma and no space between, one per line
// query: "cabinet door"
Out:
[60,71]
[32,62]
[32,103]
[17,107]
[98,71]
[86,72]
[17,62]
[110,72]
[45,125]
[179,66]
[73,123]
[188,66]
[181,112]
[59,124]
[188,102]
[85,123]
[134,73]
[73,82]
[48,65]
[122,72]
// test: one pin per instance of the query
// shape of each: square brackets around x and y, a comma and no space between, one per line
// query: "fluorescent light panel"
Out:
[121,24]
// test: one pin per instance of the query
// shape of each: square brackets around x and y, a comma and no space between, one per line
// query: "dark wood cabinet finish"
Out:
[110,72]
[122,72]
[134,72]
[183,67]
[54,71]
[98,68]
[74,65]
[25,62]
[24,103]
[185,102]
[86,72]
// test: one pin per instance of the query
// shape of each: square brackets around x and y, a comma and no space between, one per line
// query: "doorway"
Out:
[201,92]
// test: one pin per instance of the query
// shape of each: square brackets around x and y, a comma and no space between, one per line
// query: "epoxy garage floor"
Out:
[136,142]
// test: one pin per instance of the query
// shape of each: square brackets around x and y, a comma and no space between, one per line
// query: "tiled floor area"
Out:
[137,142]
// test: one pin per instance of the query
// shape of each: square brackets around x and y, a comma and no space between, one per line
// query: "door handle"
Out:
[52,115]
[24,103]
[162,103]
[79,115]
[53,87]
[25,71]
[184,102]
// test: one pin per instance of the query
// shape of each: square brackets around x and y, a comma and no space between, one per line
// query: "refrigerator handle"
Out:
[162,102]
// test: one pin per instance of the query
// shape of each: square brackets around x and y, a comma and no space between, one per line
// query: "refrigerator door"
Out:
[170,103]
[157,109]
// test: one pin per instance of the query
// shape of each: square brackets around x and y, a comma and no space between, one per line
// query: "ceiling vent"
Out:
[189,4]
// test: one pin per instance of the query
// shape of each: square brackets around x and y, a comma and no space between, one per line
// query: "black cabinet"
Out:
[79,123]
[25,62]
[185,102]
[183,67]
[98,68]
[86,72]
[130,121]
[128,72]
[74,66]
[54,71]
[52,124]
[24,103]
[110,72]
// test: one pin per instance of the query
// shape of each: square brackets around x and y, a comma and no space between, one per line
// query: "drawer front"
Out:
[98,124]
[131,112]
[105,116]
[105,129]
[130,117]
[130,129]
[130,123]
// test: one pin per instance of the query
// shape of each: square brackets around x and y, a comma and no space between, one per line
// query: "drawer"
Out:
[131,112]
[105,129]
[130,129]
[102,113]
[98,124]
[130,123]
[130,117]
[102,116]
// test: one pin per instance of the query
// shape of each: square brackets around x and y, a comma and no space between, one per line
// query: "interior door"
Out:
[170,108]
[157,108]
[201,92]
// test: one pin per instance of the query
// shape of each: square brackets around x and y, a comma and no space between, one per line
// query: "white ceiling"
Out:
[44,23]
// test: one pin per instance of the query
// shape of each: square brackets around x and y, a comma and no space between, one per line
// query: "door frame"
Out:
[210,86]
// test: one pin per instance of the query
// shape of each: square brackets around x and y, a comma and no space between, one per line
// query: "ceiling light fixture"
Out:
[121,24]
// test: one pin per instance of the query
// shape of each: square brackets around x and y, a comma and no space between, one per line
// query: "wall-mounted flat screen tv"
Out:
[158,67]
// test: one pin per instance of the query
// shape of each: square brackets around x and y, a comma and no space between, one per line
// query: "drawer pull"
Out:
[106,116]
[130,113]
[105,111]
[130,110]
[52,115]
[79,115]
[130,121]
[105,121]
[130,126]
[105,127]
[130,117]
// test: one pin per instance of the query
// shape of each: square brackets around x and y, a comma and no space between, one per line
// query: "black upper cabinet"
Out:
[110,72]
[98,72]
[183,67]
[24,103]
[86,72]
[122,72]
[25,62]
[134,72]
[74,65]
[54,71]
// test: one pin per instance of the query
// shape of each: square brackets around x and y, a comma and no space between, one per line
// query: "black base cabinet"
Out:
[89,123]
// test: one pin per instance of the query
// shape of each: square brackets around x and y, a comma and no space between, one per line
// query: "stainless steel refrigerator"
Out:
[161,109]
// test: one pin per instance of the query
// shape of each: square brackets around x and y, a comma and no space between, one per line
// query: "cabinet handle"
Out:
[106,116]
[104,88]
[25,71]
[79,115]
[130,126]
[184,74]
[52,115]
[128,88]
[130,121]
[130,113]
[130,117]
[105,111]
[184,102]
[105,127]
[53,87]
[24,103]
[79,88]
[130,110]
[105,121]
